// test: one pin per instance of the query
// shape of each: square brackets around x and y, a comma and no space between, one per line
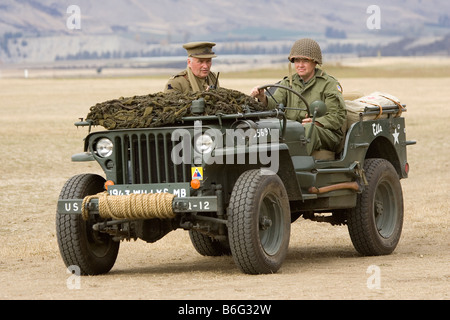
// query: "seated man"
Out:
[197,76]
[314,84]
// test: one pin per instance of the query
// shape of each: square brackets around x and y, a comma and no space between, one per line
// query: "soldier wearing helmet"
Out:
[314,84]
[197,76]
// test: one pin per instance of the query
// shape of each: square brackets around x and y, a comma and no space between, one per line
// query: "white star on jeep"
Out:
[396,134]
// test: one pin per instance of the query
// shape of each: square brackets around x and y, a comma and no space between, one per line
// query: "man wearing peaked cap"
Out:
[197,76]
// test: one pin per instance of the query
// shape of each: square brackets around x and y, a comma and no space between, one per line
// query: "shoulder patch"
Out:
[180,74]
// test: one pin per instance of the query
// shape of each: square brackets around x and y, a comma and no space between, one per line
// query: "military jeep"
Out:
[236,182]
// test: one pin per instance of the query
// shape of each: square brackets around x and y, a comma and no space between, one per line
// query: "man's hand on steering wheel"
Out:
[259,94]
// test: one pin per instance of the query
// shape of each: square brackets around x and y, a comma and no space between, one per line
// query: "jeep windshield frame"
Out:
[274,113]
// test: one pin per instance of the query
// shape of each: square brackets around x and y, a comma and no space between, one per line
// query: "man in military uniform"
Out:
[197,76]
[314,84]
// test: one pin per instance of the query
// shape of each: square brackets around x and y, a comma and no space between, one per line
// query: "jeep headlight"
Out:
[204,143]
[104,147]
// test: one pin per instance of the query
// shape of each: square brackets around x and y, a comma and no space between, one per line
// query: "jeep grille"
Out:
[146,158]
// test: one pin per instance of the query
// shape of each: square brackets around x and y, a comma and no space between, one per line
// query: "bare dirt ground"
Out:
[37,139]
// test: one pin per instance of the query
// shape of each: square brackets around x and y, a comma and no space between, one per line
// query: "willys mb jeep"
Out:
[236,182]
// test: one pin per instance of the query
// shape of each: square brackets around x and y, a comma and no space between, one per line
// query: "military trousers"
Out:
[321,139]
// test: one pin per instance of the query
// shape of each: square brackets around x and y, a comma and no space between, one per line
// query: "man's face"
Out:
[200,67]
[305,68]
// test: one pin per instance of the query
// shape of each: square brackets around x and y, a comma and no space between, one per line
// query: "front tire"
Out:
[259,222]
[93,252]
[375,224]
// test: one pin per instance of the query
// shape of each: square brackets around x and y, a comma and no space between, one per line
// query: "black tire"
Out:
[259,222]
[93,252]
[207,246]
[375,224]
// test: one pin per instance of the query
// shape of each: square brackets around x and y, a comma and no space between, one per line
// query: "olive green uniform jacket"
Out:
[321,87]
[180,82]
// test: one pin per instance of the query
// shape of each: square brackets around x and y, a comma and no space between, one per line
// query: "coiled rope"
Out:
[133,206]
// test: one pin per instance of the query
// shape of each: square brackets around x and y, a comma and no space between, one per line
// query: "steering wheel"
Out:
[265,87]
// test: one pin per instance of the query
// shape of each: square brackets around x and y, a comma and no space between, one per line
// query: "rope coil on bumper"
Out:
[133,206]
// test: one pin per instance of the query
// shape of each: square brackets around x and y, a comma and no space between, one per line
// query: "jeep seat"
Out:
[323,155]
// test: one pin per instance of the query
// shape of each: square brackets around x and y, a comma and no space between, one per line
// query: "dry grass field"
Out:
[37,139]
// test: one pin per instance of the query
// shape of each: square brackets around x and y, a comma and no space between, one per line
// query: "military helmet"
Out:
[306,48]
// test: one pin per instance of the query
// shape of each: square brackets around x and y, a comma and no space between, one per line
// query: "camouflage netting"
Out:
[159,109]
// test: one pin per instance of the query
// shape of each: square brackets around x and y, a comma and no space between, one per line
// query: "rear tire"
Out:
[259,222]
[93,252]
[375,224]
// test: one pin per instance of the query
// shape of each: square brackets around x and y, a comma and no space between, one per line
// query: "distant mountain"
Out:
[49,30]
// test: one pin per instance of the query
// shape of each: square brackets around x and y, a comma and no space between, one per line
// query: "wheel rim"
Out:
[98,243]
[385,210]
[271,224]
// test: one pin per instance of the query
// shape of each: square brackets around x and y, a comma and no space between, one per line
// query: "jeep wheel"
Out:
[375,224]
[259,222]
[207,246]
[93,252]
